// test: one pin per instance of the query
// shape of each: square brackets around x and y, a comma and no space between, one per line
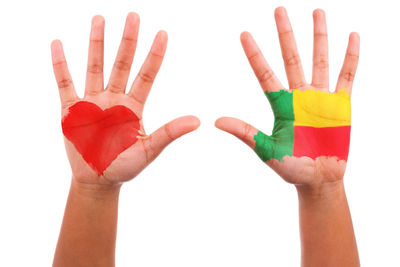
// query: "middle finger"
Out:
[122,66]
[291,58]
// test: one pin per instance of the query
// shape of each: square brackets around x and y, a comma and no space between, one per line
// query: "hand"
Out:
[310,140]
[104,135]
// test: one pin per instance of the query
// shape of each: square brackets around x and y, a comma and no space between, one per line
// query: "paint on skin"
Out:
[307,123]
[321,109]
[100,135]
[280,143]
[327,141]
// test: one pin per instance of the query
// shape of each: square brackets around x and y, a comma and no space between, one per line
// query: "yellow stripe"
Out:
[321,109]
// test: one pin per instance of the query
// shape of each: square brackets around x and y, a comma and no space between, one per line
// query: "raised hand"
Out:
[106,142]
[310,139]
[104,135]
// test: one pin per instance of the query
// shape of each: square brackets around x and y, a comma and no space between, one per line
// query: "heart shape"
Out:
[100,135]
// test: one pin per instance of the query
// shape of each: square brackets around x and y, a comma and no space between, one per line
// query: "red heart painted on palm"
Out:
[100,135]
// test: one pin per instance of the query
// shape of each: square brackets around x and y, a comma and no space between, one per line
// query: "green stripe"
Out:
[280,143]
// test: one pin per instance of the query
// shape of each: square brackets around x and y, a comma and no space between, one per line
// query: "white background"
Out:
[207,200]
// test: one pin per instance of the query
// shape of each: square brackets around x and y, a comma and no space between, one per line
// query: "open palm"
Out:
[104,135]
[310,140]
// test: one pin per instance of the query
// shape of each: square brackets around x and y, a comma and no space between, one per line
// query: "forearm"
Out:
[88,231]
[326,230]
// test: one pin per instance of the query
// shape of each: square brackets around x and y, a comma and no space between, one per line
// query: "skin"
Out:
[88,232]
[327,236]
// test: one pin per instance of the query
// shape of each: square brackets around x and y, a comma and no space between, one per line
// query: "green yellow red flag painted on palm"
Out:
[307,124]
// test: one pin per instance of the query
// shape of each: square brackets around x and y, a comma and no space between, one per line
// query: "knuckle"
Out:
[246,131]
[352,56]
[64,83]
[114,88]
[285,34]
[254,56]
[147,76]
[95,68]
[352,59]
[147,147]
[292,60]
[266,76]
[97,41]
[61,63]
[348,76]
[297,85]
[156,54]
[318,84]
[167,131]
[322,35]
[137,99]
[122,65]
[321,62]
[129,40]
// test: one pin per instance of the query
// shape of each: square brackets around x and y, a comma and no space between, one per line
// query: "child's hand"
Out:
[310,139]
[104,135]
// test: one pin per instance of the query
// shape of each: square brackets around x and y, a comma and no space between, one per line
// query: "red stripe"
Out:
[328,141]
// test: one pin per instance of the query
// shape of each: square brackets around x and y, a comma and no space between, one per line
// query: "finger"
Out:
[262,70]
[145,78]
[238,128]
[291,58]
[349,68]
[94,74]
[123,62]
[157,141]
[63,77]
[320,76]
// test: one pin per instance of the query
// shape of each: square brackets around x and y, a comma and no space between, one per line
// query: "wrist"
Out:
[328,191]
[95,191]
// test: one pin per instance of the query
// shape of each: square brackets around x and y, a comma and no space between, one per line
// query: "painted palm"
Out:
[310,139]
[104,134]
[307,124]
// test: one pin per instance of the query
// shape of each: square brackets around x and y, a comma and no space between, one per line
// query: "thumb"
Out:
[169,132]
[262,144]
[238,128]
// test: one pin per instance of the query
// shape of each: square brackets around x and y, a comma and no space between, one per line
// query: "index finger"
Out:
[262,70]
[144,80]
